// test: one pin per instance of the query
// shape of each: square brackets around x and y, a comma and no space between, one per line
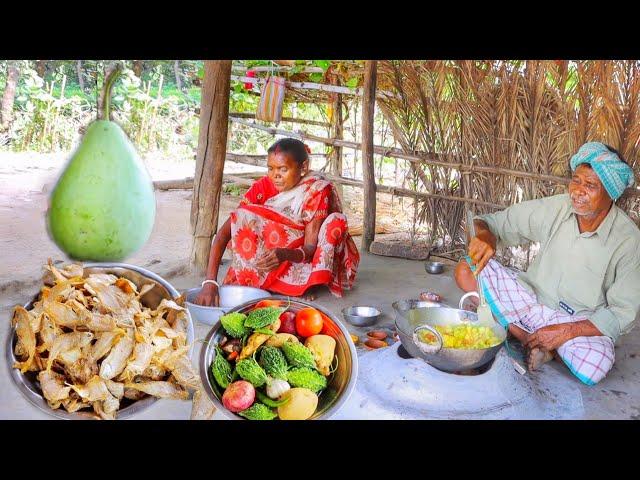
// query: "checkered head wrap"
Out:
[614,174]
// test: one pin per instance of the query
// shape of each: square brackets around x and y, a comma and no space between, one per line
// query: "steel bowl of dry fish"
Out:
[102,341]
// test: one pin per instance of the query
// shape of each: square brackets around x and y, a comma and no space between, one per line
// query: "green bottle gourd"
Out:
[103,205]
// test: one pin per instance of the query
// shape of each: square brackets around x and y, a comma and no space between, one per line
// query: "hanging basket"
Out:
[271,100]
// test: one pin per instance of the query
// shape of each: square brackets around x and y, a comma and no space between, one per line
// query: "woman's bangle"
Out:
[210,281]
[304,254]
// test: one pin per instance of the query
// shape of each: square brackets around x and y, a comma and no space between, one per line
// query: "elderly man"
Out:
[583,289]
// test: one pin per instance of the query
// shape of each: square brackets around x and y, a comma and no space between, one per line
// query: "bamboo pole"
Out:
[368,168]
[187,184]
[151,135]
[315,86]
[284,119]
[419,157]
[337,128]
[212,148]
[404,192]
[181,184]
[276,69]
[57,112]
[47,123]
[258,160]
[9,94]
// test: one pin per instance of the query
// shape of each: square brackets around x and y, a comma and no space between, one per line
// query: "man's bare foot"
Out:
[537,357]
[518,333]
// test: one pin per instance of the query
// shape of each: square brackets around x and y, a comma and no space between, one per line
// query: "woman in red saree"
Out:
[288,234]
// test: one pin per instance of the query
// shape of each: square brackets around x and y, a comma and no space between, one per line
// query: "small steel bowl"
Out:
[230,297]
[434,267]
[361,315]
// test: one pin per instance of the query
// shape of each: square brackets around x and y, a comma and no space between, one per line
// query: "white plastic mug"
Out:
[467,295]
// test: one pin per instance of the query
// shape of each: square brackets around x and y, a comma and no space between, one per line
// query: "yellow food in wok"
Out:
[462,336]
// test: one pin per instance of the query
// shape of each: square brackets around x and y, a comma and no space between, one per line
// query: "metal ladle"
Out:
[428,348]
[484,311]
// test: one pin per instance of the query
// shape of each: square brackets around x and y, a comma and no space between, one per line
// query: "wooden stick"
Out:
[314,86]
[277,69]
[212,148]
[337,129]
[397,191]
[285,63]
[187,184]
[256,174]
[419,157]
[184,184]
[284,119]
[55,117]
[368,166]
[403,192]
[247,182]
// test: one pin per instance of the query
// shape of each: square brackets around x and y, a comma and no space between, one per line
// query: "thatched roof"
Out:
[519,119]
[528,116]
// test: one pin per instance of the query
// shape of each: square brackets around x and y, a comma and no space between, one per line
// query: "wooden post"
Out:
[8,97]
[212,148]
[137,67]
[80,73]
[368,173]
[336,132]
[178,74]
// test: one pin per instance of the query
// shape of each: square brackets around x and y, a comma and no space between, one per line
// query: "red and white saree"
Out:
[266,219]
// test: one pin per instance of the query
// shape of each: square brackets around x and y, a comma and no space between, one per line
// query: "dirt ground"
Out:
[27,178]
[25,247]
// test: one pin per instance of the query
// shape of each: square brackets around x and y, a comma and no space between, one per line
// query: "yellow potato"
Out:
[323,348]
[301,405]
[279,338]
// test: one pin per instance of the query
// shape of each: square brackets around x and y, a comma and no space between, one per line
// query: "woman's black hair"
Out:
[297,149]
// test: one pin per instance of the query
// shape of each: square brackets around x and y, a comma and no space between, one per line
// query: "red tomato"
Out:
[308,322]
[328,328]
[267,303]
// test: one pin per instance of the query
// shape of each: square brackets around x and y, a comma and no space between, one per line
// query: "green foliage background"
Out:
[51,109]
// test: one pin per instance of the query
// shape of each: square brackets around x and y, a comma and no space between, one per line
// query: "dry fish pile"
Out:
[94,345]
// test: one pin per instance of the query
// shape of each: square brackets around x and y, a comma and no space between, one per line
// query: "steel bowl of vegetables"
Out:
[279,358]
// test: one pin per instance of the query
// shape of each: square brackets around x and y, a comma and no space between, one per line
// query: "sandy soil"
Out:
[26,180]
[24,242]
[25,247]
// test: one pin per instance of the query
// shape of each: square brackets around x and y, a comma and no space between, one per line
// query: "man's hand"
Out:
[268,261]
[208,296]
[481,248]
[551,337]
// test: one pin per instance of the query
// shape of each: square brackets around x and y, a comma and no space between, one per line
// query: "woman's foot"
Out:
[311,294]
[537,357]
